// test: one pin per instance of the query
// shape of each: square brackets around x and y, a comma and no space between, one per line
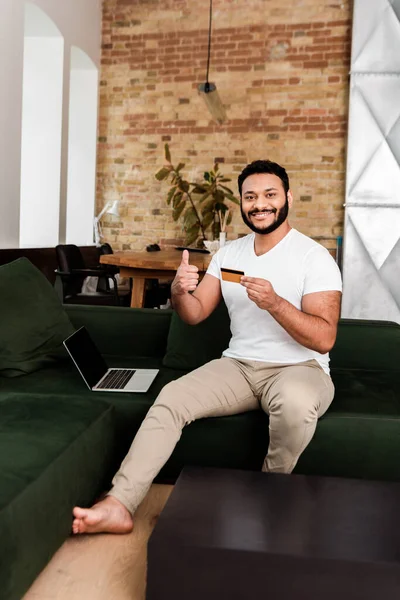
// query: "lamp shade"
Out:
[111,208]
[114,209]
[208,92]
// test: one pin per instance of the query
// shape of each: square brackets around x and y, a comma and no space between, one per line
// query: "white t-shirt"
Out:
[295,266]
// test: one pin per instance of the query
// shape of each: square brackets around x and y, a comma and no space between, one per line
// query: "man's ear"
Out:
[290,198]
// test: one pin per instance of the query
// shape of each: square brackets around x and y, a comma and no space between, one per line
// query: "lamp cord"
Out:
[207,85]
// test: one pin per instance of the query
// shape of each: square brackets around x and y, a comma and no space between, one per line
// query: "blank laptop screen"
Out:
[88,359]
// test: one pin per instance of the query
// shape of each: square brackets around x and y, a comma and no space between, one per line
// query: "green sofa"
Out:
[60,442]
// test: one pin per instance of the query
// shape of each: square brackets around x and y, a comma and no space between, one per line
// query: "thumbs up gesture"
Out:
[186,278]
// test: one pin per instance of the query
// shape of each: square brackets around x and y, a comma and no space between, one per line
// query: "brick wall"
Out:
[281,69]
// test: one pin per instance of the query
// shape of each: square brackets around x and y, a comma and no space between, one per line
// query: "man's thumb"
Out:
[185,257]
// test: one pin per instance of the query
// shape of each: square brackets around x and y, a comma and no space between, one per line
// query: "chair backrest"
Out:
[69,257]
[105,249]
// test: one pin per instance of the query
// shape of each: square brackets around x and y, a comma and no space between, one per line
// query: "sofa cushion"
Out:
[231,442]
[366,344]
[354,445]
[123,331]
[191,346]
[54,453]
[359,436]
[63,381]
[34,323]
[360,344]
[369,392]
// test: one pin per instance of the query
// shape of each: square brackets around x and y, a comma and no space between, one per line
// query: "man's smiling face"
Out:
[264,203]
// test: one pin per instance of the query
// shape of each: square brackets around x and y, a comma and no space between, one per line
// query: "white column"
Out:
[82,144]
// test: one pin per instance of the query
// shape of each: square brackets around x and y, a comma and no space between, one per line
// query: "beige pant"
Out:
[293,396]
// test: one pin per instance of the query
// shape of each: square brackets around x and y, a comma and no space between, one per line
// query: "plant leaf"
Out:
[207,220]
[207,176]
[170,194]
[190,218]
[225,180]
[205,196]
[232,198]
[177,199]
[198,189]
[229,219]
[226,189]
[219,196]
[180,167]
[208,207]
[216,167]
[220,206]
[162,173]
[184,185]
[176,213]
[192,234]
[167,153]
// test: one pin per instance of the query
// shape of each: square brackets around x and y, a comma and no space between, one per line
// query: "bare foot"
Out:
[107,516]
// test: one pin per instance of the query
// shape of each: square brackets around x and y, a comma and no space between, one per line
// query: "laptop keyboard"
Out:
[116,380]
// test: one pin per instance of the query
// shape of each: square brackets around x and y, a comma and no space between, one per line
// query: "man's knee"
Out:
[172,406]
[296,404]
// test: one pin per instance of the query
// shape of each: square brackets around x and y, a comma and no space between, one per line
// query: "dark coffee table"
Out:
[227,534]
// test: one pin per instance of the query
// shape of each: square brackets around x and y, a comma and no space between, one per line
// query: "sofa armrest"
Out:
[124,331]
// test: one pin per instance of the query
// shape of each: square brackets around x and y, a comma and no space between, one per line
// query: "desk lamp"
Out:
[110,208]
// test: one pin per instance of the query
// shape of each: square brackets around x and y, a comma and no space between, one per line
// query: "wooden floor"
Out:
[103,566]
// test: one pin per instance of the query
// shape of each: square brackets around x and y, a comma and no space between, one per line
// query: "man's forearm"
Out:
[188,307]
[308,330]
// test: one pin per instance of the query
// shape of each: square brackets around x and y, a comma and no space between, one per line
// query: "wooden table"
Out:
[151,265]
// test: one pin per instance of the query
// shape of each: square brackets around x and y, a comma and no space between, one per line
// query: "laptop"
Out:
[95,372]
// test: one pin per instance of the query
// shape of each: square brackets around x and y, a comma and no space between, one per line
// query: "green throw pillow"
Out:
[33,321]
[191,346]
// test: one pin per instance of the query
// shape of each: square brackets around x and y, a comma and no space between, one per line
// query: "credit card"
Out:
[231,275]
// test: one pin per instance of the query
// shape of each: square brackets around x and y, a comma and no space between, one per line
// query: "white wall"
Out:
[79,21]
[41,142]
[82,138]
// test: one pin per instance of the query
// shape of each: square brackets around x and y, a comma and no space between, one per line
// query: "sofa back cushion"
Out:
[367,345]
[360,344]
[190,346]
[33,321]
[127,332]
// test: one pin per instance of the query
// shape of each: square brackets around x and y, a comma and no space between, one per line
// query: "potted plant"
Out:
[202,205]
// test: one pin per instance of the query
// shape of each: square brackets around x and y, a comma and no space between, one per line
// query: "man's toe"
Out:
[79,512]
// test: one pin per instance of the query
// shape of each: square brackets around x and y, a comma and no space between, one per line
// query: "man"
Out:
[284,315]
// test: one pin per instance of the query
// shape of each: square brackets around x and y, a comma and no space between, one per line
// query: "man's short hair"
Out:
[264,166]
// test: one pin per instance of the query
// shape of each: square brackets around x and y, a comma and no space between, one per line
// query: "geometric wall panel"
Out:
[371,253]
[365,293]
[388,269]
[370,223]
[375,31]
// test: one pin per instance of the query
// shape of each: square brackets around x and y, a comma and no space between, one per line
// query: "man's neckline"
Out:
[285,237]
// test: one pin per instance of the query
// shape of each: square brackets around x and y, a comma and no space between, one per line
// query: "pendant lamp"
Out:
[208,91]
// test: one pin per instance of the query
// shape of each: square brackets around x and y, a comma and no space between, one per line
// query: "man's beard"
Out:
[280,218]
